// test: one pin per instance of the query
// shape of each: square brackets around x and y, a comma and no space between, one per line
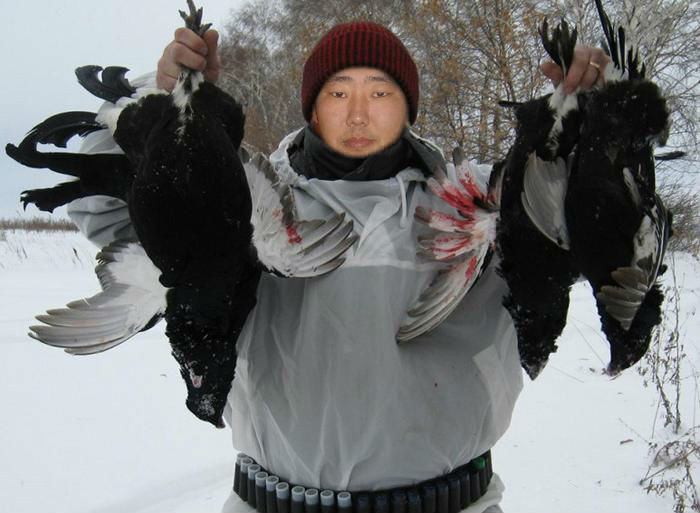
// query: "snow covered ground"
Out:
[110,433]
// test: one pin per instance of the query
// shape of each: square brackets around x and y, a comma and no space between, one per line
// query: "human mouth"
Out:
[358,142]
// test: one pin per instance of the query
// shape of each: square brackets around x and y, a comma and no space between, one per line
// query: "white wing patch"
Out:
[131,298]
[463,241]
[623,301]
[284,244]
[544,189]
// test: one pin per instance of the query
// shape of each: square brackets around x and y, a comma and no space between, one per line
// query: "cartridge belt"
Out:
[450,493]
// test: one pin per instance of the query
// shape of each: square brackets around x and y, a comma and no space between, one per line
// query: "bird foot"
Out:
[193,20]
[560,46]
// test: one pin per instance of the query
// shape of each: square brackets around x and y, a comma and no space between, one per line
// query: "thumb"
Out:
[552,71]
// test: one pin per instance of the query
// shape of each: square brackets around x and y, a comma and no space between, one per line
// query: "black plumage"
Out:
[105,174]
[532,237]
[113,85]
[601,210]
[191,206]
[618,224]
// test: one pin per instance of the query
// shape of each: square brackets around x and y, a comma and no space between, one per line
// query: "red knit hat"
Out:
[359,43]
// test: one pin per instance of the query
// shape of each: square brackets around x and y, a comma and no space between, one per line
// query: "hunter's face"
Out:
[360,111]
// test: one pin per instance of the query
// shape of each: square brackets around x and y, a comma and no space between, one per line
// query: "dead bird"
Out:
[618,224]
[533,240]
[520,215]
[206,225]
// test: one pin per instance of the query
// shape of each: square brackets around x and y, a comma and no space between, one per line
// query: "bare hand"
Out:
[587,69]
[190,51]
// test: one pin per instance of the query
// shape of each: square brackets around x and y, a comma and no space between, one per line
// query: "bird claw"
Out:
[193,20]
[560,46]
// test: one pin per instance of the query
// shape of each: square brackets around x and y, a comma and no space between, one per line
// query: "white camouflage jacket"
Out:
[323,394]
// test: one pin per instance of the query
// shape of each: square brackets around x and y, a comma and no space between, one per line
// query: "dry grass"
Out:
[37,224]
[670,472]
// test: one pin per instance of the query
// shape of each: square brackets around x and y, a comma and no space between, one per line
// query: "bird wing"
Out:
[443,295]
[463,240]
[622,301]
[132,299]
[285,244]
[544,190]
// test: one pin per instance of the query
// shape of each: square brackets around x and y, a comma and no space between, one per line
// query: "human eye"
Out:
[337,94]
[381,94]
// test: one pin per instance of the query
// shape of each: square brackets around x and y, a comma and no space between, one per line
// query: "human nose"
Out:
[358,111]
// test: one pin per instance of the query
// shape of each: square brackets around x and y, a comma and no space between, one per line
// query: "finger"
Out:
[182,55]
[191,40]
[552,72]
[211,39]
[601,58]
[590,77]
[167,64]
[211,72]
[582,56]
[165,82]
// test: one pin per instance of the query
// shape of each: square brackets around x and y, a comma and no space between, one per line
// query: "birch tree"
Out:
[470,55]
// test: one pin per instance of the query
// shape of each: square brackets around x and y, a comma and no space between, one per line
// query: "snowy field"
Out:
[110,433]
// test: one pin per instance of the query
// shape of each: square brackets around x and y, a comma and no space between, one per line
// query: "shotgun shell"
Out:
[311,501]
[237,472]
[429,495]
[270,496]
[328,501]
[297,505]
[443,496]
[252,470]
[454,493]
[363,504]
[464,489]
[381,503]
[260,492]
[413,498]
[398,502]
[282,493]
[344,502]
[243,491]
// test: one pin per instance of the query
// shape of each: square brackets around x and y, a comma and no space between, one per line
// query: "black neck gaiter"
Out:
[311,157]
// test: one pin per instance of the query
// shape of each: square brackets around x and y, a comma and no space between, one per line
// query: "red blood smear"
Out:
[457,224]
[471,188]
[471,268]
[292,235]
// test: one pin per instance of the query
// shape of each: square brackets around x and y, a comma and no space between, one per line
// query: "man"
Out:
[323,396]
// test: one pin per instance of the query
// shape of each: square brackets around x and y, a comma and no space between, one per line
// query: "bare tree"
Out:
[471,55]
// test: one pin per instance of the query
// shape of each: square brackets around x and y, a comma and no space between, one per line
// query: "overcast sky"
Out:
[42,43]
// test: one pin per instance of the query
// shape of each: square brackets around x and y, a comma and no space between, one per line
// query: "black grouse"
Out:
[206,225]
[520,214]
[605,222]
[533,241]
[619,226]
